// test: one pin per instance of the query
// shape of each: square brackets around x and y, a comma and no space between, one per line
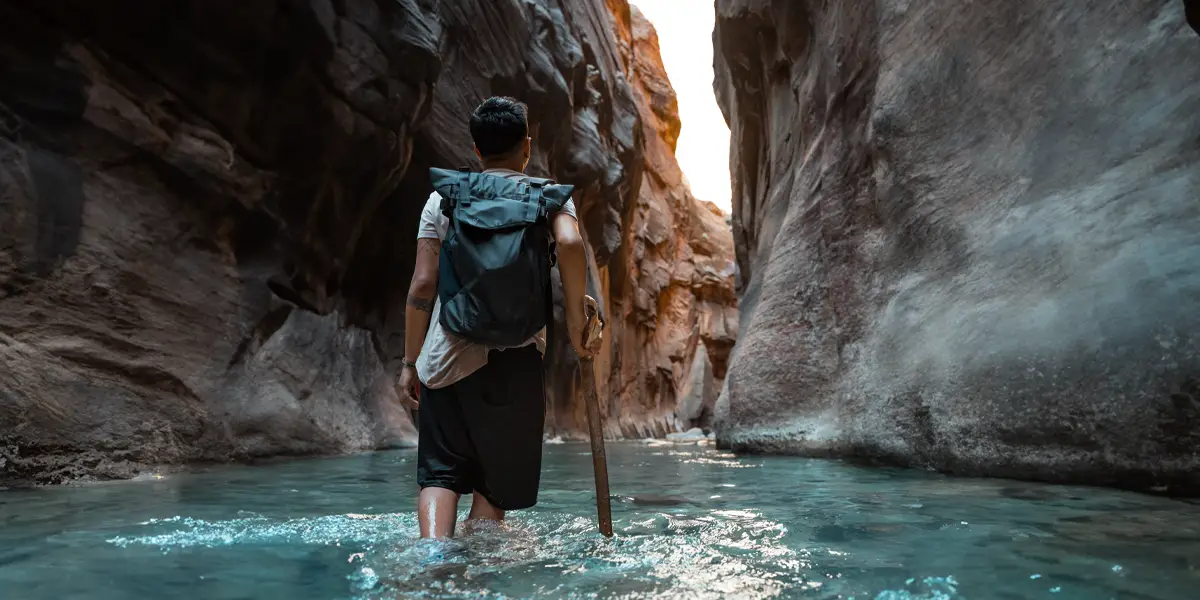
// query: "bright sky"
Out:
[685,34]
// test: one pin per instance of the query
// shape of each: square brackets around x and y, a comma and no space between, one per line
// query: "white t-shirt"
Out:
[445,358]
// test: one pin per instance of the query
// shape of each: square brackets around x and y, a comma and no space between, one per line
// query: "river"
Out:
[691,522]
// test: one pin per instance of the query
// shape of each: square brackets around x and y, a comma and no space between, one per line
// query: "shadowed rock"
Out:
[207,212]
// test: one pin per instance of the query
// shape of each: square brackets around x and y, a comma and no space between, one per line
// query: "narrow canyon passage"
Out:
[885,283]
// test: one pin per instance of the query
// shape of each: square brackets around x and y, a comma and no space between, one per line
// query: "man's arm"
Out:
[572,266]
[421,294]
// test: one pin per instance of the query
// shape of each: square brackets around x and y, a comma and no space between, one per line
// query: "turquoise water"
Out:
[727,527]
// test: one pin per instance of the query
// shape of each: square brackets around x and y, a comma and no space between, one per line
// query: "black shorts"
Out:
[484,433]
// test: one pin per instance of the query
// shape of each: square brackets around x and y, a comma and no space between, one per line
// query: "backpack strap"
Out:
[462,193]
[537,186]
[463,190]
[535,196]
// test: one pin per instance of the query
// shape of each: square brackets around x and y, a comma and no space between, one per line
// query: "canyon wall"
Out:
[208,208]
[671,287]
[968,235]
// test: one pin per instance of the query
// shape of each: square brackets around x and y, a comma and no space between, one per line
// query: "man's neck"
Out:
[507,166]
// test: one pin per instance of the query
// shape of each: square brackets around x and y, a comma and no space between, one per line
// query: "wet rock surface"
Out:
[968,237]
[207,211]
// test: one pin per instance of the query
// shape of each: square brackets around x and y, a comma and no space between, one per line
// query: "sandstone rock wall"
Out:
[968,235]
[207,210]
[674,309]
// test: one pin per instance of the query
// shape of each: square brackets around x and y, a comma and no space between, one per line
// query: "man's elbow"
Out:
[571,242]
[423,286]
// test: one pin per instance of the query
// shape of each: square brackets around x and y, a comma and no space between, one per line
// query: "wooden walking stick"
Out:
[592,334]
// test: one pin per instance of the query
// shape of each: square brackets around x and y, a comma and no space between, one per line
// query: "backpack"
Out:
[494,269]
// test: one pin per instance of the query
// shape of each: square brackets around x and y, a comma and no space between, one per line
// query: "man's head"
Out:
[500,128]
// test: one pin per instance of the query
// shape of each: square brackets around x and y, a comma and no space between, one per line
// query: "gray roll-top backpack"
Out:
[494,270]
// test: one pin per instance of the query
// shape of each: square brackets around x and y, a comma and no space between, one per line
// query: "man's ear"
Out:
[528,147]
[478,154]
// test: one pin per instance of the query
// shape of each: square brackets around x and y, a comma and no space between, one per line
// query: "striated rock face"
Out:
[208,208]
[968,235]
[673,318]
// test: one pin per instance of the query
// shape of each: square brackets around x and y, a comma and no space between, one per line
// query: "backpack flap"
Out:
[498,213]
[497,202]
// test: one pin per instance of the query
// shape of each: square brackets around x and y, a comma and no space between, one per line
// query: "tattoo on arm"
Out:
[421,303]
[428,250]
[429,246]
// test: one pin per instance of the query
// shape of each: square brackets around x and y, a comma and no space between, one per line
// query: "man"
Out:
[482,408]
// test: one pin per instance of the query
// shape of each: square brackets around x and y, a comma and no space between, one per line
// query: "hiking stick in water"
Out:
[592,333]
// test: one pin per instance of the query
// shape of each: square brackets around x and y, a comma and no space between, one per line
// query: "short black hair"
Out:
[499,125]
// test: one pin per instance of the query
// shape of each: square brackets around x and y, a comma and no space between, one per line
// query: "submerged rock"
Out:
[968,236]
[656,500]
[694,434]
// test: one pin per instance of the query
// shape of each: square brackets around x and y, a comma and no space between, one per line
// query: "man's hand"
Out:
[580,323]
[576,336]
[408,387]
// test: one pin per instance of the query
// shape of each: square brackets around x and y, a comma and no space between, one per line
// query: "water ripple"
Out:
[186,532]
[723,554]
[690,523]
